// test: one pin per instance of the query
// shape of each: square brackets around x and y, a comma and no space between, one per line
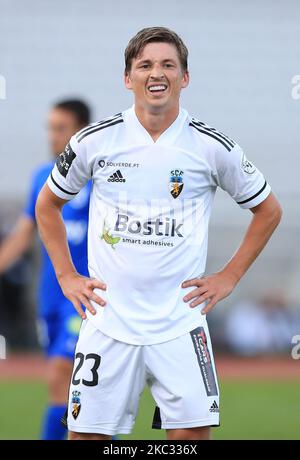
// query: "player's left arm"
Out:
[217,286]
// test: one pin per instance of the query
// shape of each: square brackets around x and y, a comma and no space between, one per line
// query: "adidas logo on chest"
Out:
[116,177]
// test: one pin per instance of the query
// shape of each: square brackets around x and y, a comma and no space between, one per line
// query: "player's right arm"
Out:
[69,175]
[16,243]
[77,288]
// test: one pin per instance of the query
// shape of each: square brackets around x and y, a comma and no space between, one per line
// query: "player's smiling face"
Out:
[156,77]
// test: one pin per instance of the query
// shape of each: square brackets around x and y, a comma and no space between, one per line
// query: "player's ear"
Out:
[127,80]
[185,79]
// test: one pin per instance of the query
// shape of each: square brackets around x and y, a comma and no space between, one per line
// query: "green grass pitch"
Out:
[249,410]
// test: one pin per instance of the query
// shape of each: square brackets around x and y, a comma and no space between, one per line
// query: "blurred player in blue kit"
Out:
[59,323]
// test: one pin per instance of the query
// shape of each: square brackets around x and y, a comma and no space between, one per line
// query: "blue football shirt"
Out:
[75,215]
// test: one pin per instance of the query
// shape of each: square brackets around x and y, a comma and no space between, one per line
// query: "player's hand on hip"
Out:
[211,288]
[80,291]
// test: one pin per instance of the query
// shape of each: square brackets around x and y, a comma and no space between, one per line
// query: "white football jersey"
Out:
[149,213]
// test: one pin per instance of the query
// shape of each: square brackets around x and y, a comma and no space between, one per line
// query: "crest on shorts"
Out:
[176,182]
[75,403]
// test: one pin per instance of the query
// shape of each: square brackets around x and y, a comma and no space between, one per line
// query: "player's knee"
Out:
[184,434]
[59,373]
[72,436]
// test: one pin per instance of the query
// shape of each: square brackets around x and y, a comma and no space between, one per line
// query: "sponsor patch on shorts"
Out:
[204,360]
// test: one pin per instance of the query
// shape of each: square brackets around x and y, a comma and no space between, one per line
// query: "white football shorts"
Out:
[109,377]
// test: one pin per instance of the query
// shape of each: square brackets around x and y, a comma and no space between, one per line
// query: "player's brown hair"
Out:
[155,34]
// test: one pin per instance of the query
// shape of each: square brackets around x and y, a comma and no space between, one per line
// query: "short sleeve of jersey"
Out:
[71,171]
[235,174]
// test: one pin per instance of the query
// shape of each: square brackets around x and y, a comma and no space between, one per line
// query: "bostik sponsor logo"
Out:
[162,218]
[158,227]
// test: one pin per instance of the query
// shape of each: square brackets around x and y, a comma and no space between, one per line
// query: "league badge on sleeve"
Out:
[247,166]
[176,182]
[65,160]
[76,405]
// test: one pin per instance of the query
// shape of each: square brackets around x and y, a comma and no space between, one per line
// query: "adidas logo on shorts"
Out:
[116,177]
[214,407]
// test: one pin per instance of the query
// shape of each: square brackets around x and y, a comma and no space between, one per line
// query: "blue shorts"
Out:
[59,331]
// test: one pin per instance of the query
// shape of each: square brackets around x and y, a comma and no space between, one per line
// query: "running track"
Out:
[32,367]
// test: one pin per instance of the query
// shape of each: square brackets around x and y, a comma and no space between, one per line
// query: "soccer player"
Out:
[155,170]
[59,321]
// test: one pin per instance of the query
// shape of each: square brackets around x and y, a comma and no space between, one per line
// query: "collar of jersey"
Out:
[140,133]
